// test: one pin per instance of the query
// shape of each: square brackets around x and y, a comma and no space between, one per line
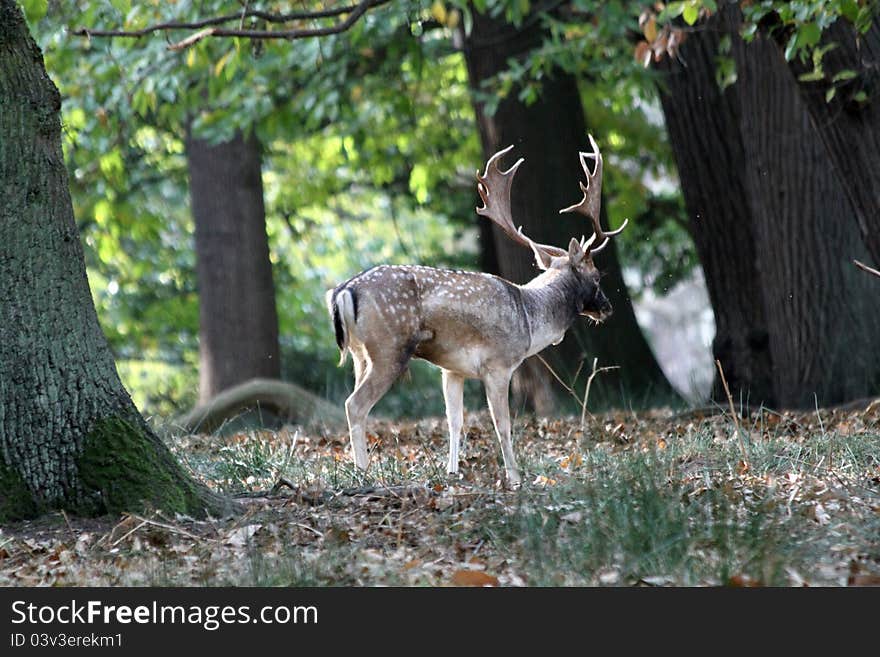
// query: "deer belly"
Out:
[470,359]
[463,360]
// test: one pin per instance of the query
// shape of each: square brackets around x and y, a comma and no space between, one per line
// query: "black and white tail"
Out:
[342,304]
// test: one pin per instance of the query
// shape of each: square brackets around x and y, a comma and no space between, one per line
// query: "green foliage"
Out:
[358,170]
[799,24]
[370,148]
[34,10]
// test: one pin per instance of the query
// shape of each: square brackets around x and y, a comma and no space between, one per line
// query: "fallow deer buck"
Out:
[469,324]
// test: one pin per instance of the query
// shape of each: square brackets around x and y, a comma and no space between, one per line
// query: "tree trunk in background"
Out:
[822,314]
[238,323]
[704,131]
[772,228]
[848,129]
[70,437]
[548,134]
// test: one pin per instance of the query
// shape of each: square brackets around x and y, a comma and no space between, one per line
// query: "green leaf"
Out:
[748,32]
[813,76]
[809,34]
[122,6]
[845,74]
[790,47]
[849,9]
[829,95]
[691,13]
[34,10]
[670,11]
[725,72]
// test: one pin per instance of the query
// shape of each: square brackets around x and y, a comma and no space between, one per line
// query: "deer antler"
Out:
[592,201]
[494,188]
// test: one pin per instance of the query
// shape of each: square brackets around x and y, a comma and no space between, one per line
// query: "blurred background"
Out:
[222,186]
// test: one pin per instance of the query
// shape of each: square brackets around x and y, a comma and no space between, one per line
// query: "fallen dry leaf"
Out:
[742,581]
[240,536]
[574,517]
[473,578]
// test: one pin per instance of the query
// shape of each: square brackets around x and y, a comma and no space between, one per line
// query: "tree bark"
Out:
[704,131]
[849,129]
[772,229]
[819,309]
[70,437]
[548,134]
[238,323]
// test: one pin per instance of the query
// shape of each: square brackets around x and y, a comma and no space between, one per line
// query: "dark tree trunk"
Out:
[238,324]
[70,437]
[822,314]
[848,128]
[548,134]
[704,130]
[772,228]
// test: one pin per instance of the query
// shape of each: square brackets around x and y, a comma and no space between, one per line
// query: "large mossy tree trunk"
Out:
[548,134]
[70,437]
[238,322]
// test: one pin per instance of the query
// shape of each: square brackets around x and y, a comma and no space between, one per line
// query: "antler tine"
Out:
[591,204]
[494,189]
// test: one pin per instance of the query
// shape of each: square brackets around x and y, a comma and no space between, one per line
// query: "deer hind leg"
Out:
[380,371]
[453,395]
[360,366]
[497,386]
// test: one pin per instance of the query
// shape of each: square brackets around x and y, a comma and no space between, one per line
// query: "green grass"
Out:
[632,499]
[682,510]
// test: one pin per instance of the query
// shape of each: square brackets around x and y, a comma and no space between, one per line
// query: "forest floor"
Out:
[650,499]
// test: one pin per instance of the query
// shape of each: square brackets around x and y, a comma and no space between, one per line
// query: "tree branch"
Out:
[208,26]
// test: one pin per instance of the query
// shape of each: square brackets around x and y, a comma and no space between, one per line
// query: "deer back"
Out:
[456,319]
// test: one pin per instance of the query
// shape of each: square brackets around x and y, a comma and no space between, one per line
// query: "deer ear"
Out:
[575,252]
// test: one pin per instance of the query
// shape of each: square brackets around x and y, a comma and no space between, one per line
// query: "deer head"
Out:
[494,188]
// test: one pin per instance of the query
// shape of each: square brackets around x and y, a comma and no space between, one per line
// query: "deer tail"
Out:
[342,305]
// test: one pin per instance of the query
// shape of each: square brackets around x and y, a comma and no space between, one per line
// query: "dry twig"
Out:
[866,268]
[733,414]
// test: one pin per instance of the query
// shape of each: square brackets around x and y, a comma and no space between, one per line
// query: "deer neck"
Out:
[551,303]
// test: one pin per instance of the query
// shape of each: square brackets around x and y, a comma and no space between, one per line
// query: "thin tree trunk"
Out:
[238,323]
[848,128]
[548,134]
[70,436]
[823,315]
[704,130]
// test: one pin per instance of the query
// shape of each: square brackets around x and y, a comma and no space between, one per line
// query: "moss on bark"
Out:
[16,501]
[126,468]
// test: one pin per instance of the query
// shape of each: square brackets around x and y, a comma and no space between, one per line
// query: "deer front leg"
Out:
[497,386]
[453,395]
